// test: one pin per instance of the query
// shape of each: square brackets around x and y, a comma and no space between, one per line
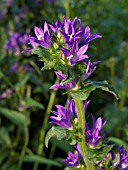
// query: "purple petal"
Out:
[60,75]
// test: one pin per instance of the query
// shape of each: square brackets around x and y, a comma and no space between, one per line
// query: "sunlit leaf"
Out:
[56,131]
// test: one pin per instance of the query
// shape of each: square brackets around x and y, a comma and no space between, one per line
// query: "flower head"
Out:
[93,131]
[123,159]
[87,37]
[43,37]
[63,77]
[62,117]
[76,54]
[72,159]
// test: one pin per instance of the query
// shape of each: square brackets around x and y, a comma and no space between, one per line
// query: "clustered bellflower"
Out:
[93,131]
[69,41]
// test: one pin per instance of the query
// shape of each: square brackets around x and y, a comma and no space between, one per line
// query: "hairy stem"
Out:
[82,137]
[44,126]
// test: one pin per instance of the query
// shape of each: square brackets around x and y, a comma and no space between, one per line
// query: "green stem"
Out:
[82,137]
[45,123]
[67,8]
[24,147]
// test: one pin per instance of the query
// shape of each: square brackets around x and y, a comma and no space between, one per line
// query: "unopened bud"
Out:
[55,45]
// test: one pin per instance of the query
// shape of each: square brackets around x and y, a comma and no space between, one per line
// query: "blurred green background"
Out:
[25,98]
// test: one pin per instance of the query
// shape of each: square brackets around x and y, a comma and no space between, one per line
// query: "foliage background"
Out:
[23,111]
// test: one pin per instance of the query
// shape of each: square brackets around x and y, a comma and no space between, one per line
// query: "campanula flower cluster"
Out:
[64,46]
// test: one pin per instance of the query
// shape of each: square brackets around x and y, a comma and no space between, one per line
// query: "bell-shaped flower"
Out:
[76,54]
[90,68]
[87,36]
[63,77]
[42,37]
[72,160]
[93,131]
[122,162]
[71,31]
[62,117]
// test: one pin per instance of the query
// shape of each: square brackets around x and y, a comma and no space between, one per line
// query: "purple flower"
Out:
[51,1]
[15,42]
[56,27]
[43,37]
[90,68]
[63,77]
[123,159]
[14,67]
[72,159]
[6,93]
[87,37]
[63,117]
[71,32]
[75,54]
[93,131]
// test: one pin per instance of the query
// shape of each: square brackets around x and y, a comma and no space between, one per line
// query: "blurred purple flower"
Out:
[43,37]
[6,93]
[93,131]
[14,67]
[122,162]
[27,68]
[72,160]
[51,1]
[15,42]
[38,2]
[63,77]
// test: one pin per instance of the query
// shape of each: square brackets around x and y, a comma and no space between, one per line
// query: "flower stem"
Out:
[45,123]
[26,130]
[82,137]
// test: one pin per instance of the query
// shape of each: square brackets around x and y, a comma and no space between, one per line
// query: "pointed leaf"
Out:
[4,136]
[106,87]
[23,81]
[14,116]
[59,132]
[33,103]
[83,93]
[39,159]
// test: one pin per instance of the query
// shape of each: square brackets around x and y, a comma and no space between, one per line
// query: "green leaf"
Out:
[23,81]
[105,86]
[14,116]
[3,155]
[83,93]
[14,167]
[4,136]
[62,145]
[90,86]
[39,159]
[33,103]
[39,51]
[100,154]
[59,132]
[118,141]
